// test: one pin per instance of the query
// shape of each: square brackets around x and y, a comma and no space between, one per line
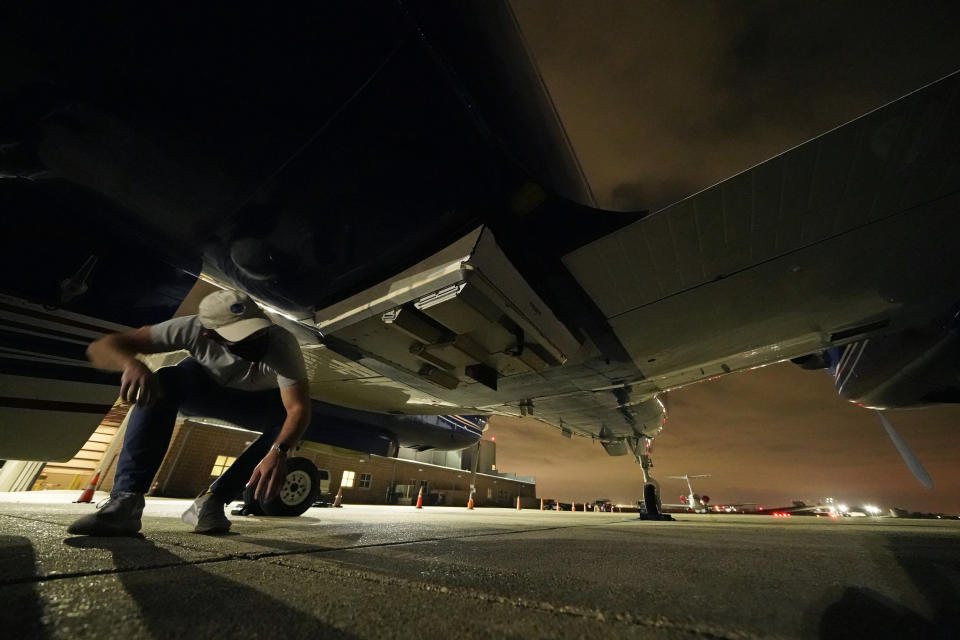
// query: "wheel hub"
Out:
[295,488]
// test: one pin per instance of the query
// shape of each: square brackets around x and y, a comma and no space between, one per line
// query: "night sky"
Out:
[771,436]
[661,100]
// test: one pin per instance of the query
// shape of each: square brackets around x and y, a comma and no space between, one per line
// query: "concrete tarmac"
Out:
[398,572]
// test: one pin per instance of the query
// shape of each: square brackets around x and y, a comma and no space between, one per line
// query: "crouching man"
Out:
[242,369]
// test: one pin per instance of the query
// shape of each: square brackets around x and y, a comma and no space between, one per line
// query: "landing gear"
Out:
[649,505]
[298,493]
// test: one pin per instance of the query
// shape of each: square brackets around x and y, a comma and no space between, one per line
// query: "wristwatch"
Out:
[283,449]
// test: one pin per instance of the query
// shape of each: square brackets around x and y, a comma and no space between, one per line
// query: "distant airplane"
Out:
[692,501]
[701,503]
[395,184]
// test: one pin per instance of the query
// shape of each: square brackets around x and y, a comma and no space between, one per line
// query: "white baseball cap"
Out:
[232,314]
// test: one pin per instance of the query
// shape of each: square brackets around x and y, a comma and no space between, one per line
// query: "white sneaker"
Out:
[206,515]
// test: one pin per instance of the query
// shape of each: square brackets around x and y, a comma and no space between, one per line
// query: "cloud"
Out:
[663,99]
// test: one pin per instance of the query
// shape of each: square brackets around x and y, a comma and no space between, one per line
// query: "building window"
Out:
[364,481]
[347,480]
[222,464]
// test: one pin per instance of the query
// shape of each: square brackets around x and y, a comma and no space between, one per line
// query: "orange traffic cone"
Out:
[338,500]
[518,504]
[87,495]
[470,503]
[541,504]
[420,499]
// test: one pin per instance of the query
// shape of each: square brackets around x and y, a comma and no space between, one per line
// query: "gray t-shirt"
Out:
[282,366]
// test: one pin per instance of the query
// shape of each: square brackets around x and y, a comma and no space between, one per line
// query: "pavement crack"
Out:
[337,570]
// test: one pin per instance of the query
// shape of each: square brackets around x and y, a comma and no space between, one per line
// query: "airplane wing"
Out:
[842,238]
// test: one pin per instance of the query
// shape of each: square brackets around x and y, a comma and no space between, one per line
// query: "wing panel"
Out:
[767,182]
[660,240]
[737,202]
[855,226]
[684,224]
[710,243]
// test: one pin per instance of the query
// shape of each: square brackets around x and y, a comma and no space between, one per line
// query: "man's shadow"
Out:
[932,564]
[178,599]
[21,614]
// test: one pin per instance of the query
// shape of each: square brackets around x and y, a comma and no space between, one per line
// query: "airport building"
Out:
[200,451]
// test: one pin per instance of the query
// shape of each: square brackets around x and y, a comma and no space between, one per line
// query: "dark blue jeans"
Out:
[188,389]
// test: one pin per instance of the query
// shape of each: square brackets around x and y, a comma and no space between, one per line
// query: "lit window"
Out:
[222,464]
[364,481]
[347,480]
[493,467]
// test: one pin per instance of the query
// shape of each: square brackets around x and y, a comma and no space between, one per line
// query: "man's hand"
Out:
[138,384]
[118,352]
[269,476]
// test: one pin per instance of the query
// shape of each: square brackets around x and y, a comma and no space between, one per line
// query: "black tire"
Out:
[651,500]
[250,505]
[297,494]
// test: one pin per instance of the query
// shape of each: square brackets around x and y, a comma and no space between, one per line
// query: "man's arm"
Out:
[270,474]
[118,352]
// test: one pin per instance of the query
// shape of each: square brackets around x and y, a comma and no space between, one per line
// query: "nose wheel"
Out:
[649,507]
[298,493]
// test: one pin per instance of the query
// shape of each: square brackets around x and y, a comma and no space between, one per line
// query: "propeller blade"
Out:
[908,456]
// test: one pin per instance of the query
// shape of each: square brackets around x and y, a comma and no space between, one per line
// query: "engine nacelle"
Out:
[906,369]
